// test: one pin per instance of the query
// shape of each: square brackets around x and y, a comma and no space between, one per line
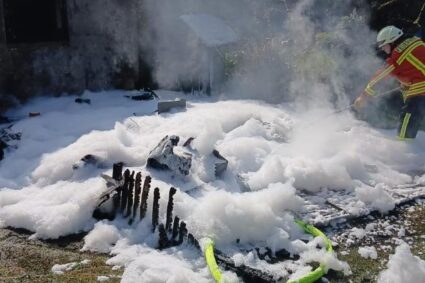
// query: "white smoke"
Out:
[318,50]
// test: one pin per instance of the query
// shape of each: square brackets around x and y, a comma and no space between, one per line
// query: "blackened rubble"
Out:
[3,146]
[166,106]
[81,100]
[220,163]
[8,138]
[89,159]
[163,157]
[124,197]
[146,94]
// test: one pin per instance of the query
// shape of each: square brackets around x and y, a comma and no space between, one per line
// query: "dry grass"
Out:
[23,260]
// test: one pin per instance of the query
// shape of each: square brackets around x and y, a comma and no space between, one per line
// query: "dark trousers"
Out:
[411,117]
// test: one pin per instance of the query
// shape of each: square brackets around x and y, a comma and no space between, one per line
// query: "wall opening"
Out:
[35,21]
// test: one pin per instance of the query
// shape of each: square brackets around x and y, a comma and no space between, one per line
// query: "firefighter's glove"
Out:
[404,87]
[360,101]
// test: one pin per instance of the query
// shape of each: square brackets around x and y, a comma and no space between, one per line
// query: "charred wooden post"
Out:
[248,274]
[175,228]
[155,209]
[130,195]
[163,239]
[137,191]
[124,191]
[117,171]
[182,232]
[116,198]
[145,195]
[192,241]
[116,204]
[170,209]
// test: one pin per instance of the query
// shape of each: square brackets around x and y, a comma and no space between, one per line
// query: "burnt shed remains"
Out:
[52,47]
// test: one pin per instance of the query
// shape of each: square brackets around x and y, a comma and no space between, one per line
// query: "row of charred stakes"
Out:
[129,199]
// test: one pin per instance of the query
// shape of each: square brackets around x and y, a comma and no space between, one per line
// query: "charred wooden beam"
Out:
[155,209]
[170,209]
[192,241]
[175,228]
[248,274]
[124,191]
[145,195]
[116,200]
[182,232]
[163,241]
[137,192]
[117,171]
[130,195]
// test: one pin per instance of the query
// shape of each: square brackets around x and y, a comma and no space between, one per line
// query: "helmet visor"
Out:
[380,44]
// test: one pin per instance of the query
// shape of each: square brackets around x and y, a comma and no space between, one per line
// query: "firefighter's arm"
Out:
[379,76]
[369,91]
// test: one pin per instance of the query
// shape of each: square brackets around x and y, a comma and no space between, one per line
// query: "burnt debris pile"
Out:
[8,138]
[127,196]
[163,157]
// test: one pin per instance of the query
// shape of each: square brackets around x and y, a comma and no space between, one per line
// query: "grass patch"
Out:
[23,260]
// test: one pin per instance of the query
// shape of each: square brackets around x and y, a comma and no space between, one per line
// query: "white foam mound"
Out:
[101,238]
[368,252]
[403,266]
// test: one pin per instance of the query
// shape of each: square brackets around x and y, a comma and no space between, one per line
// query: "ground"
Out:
[367,270]
[25,260]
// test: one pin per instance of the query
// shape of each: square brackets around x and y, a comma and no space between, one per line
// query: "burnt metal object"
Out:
[33,114]
[82,100]
[163,157]
[166,106]
[145,95]
[220,165]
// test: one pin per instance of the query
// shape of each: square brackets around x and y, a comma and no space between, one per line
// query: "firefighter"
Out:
[406,62]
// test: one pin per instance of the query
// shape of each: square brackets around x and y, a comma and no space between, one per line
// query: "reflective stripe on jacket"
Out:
[406,64]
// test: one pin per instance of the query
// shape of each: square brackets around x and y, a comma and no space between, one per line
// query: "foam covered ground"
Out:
[284,158]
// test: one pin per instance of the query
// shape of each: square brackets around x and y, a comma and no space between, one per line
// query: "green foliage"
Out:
[231,63]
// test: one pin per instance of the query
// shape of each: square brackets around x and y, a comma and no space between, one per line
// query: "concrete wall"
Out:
[104,51]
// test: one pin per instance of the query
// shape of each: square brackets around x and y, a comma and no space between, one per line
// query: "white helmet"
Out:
[388,35]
